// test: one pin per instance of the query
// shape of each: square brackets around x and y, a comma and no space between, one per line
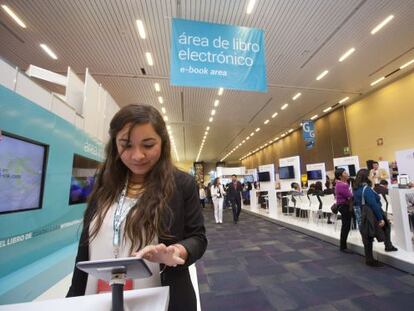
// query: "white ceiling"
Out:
[303,38]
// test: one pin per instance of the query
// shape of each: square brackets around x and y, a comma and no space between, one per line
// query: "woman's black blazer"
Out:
[187,228]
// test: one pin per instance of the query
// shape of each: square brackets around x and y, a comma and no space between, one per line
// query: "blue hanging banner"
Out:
[217,55]
[308,128]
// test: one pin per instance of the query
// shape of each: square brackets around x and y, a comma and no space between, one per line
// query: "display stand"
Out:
[115,272]
[401,223]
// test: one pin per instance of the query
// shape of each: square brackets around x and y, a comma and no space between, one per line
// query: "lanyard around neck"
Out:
[120,214]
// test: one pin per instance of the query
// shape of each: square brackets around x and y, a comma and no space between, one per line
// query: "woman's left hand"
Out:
[168,255]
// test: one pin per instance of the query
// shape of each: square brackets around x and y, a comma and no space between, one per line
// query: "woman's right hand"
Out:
[381,223]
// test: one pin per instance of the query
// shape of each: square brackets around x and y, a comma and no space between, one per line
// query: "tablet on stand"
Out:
[115,271]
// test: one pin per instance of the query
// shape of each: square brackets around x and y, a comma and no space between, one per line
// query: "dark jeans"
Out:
[203,203]
[346,216]
[236,207]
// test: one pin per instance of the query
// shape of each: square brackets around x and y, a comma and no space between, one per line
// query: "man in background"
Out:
[377,174]
[234,190]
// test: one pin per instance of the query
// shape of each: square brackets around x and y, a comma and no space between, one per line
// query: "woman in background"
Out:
[217,194]
[343,197]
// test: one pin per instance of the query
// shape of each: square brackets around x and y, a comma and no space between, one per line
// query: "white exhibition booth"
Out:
[316,172]
[402,236]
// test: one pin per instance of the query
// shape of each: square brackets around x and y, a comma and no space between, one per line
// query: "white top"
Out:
[101,248]
[217,192]
[202,193]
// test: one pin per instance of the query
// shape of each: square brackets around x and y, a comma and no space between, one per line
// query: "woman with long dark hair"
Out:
[343,197]
[143,206]
[217,194]
[364,195]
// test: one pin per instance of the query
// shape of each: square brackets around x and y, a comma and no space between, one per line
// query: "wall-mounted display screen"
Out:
[286,172]
[349,168]
[263,176]
[314,175]
[83,178]
[22,173]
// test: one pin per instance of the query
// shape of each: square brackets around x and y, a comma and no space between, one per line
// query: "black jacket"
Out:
[369,224]
[187,228]
[233,193]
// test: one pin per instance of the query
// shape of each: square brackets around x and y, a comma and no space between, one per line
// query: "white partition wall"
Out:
[350,164]
[228,171]
[90,105]
[74,91]
[314,170]
[405,162]
[285,162]
[269,187]
[8,75]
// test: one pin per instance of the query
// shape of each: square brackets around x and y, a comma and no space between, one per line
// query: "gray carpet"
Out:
[258,265]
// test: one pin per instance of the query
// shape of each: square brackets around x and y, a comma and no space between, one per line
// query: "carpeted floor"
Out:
[257,265]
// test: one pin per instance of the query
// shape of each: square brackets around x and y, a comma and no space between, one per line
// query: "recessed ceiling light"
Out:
[243,141]
[213,112]
[216,103]
[327,109]
[382,24]
[247,138]
[407,64]
[48,51]
[141,29]
[314,117]
[377,81]
[207,128]
[284,106]
[220,91]
[210,120]
[283,135]
[267,121]
[13,15]
[252,133]
[206,132]
[323,74]
[250,6]
[346,54]
[165,118]
[296,96]
[163,110]
[343,100]
[160,100]
[275,114]
[270,141]
[291,130]
[258,129]
[149,58]
[157,87]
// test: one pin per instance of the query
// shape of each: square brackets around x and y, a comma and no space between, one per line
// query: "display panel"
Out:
[314,175]
[350,169]
[83,178]
[264,176]
[22,173]
[286,172]
[248,178]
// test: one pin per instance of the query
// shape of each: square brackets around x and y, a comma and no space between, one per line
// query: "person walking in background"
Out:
[343,197]
[234,191]
[217,194]
[202,195]
[143,206]
[366,197]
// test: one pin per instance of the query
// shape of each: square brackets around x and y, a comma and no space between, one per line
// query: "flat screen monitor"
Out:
[22,173]
[263,176]
[314,175]
[286,172]
[350,169]
[83,178]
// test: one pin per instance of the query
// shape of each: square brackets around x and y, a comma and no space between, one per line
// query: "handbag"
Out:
[334,208]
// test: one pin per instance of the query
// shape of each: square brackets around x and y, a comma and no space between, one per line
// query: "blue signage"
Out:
[216,55]
[308,128]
